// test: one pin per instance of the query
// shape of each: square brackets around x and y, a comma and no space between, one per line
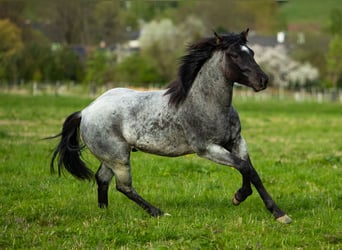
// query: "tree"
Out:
[99,67]
[10,46]
[258,15]
[334,54]
[67,22]
[334,61]
[137,70]
[231,15]
[149,10]
[107,16]
[12,10]
[283,71]
[163,42]
[335,26]
[10,42]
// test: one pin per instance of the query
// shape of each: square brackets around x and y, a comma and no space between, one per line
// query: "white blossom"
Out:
[282,69]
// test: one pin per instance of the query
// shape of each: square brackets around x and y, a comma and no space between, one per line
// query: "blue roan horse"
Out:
[193,115]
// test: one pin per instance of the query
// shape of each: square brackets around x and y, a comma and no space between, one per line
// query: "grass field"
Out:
[296,147]
[309,11]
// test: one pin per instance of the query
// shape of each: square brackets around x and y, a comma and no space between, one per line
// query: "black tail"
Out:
[68,151]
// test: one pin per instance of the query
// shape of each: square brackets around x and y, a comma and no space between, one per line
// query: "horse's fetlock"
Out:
[249,192]
[269,205]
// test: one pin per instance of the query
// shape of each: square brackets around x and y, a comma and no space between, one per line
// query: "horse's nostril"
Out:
[264,81]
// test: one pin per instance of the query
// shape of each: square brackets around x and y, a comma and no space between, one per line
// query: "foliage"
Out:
[138,71]
[12,10]
[41,64]
[334,61]
[335,26]
[168,26]
[68,20]
[100,66]
[159,41]
[11,42]
[162,42]
[313,50]
[40,211]
[230,15]
[10,46]
[149,10]
[108,21]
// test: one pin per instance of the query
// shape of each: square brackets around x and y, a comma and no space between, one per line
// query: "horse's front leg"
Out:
[221,155]
[280,215]
[239,148]
[236,159]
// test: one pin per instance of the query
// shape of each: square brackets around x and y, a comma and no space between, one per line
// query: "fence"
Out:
[91,90]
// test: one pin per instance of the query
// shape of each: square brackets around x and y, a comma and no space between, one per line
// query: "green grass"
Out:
[309,11]
[296,147]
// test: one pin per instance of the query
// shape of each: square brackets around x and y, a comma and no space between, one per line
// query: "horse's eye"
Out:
[234,55]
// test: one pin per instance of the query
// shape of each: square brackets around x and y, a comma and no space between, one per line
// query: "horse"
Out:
[193,115]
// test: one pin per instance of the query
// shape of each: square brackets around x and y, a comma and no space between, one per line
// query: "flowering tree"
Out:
[163,42]
[283,70]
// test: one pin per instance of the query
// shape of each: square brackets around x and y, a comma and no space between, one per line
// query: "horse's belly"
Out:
[167,142]
[163,147]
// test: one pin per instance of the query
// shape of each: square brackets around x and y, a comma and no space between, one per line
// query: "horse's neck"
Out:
[210,85]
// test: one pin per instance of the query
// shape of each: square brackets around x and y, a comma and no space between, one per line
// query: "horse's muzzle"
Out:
[263,81]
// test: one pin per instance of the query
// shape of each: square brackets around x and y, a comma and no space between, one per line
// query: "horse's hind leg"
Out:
[103,177]
[123,177]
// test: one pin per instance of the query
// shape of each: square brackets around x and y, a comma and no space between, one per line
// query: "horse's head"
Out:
[240,65]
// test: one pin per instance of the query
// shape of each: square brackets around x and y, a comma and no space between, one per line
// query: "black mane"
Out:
[192,62]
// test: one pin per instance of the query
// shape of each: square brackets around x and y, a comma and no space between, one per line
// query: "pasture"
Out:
[296,148]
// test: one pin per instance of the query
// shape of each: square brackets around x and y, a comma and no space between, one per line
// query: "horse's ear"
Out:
[244,34]
[218,37]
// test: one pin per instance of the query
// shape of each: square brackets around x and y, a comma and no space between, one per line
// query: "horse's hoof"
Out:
[155,212]
[235,201]
[167,214]
[284,219]
[102,205]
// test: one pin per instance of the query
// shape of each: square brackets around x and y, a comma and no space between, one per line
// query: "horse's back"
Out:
[116,107]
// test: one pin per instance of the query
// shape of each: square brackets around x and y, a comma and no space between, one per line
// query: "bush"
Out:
[137,70]
[41,64]
[100,67]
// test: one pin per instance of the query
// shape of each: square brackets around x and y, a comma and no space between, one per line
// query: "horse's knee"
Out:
[125,189]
